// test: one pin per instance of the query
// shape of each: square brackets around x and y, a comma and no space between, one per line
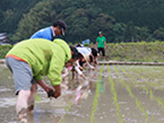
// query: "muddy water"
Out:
[117,94]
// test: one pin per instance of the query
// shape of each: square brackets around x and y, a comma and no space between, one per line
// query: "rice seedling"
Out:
[66,109]
[138,103]
[95,102]
[149,91]
[115,98]
[133,79]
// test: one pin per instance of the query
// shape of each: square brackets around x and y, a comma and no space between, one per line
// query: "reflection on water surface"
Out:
[130,94]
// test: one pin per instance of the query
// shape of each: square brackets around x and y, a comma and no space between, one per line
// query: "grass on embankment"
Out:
[139,51]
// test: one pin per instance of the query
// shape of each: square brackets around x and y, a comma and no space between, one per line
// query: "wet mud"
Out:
[116,94]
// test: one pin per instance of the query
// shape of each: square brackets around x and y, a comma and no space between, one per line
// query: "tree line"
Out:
[119,20]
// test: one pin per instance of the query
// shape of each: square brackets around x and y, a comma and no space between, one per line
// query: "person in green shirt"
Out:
[32,59]
[101,44]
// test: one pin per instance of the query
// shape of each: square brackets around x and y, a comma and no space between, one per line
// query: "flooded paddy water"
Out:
[117,94]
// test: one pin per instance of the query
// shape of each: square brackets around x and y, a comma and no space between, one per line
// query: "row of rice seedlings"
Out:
[95,102]
[145,70]
[132,72]
[150,74]
[149,91]
[120,118]
[159,100]
[146,89]
[153,71]
[156,78]
[138,103]
[134,80]
[66,109]
[146,78]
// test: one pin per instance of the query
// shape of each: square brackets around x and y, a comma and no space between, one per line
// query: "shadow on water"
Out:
[117,94]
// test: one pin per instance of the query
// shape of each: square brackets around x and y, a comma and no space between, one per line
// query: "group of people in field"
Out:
[45,54]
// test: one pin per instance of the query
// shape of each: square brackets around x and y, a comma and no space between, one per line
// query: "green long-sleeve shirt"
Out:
[44,57]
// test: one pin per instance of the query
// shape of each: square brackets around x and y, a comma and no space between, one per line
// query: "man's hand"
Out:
[48,89]
[44,86]
[105,45]
[50,94]
[57,91]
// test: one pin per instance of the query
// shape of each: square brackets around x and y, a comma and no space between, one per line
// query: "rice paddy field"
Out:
[117,94]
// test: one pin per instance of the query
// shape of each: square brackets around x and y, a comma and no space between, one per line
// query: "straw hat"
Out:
[87,59]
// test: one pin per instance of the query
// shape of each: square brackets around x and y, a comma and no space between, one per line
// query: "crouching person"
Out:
[29,61]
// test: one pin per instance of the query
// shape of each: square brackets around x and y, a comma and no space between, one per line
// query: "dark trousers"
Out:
[101,50]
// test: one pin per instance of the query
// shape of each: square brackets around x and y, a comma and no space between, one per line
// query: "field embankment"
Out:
[138,52]
[134,52]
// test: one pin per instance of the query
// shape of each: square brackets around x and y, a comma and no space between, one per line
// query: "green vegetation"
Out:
[11,13]
[95,102]
[119,20]
[147,83]
[140,51]
[115,98]
[131,93]
[138,103]
[3,50]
